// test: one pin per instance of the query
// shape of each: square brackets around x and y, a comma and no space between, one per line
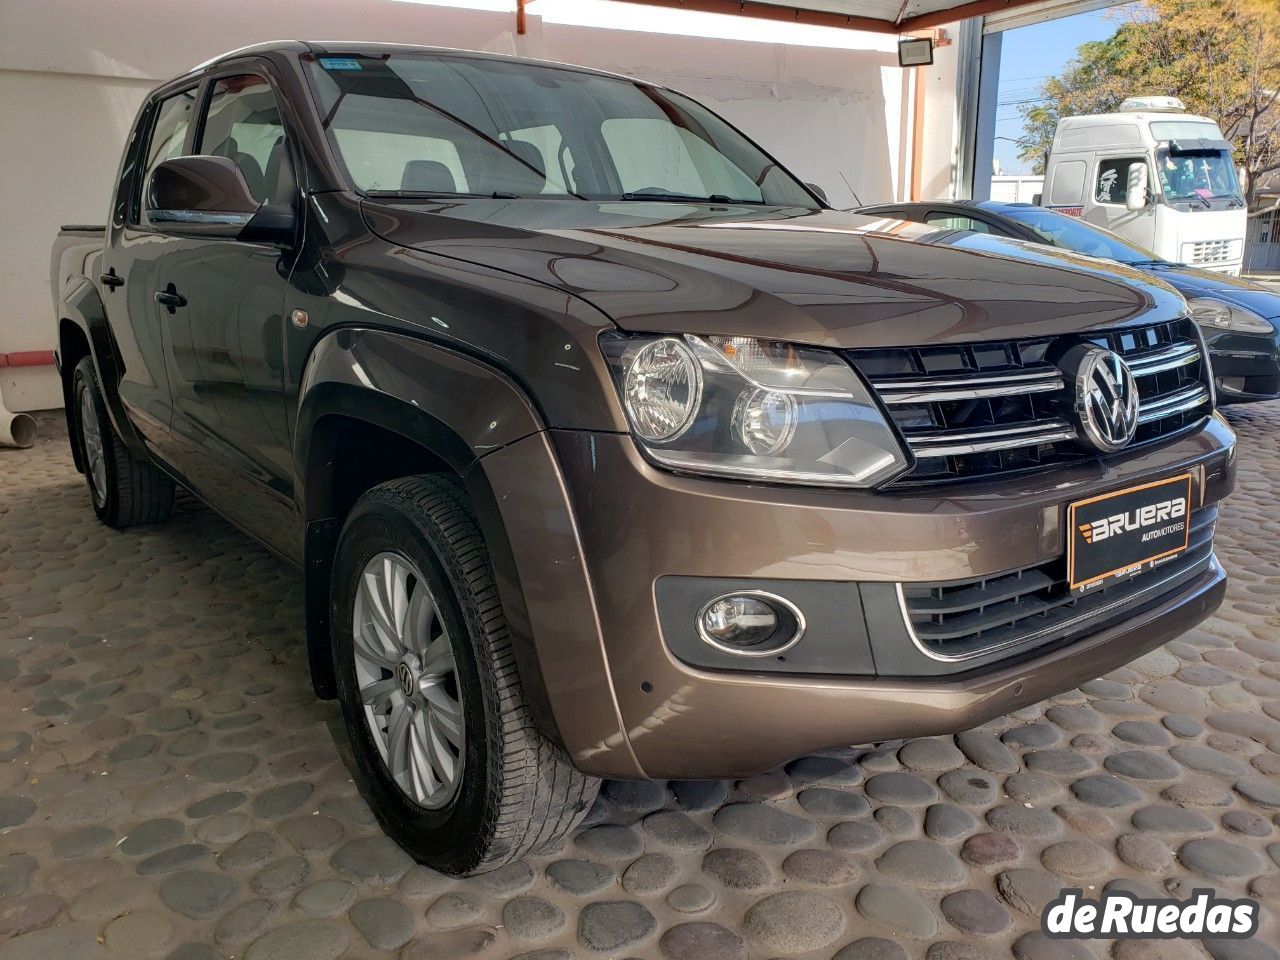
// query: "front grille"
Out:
[959,620]
[972,410]
[1211,251]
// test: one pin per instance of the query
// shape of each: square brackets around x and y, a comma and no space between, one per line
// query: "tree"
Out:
[1220,57]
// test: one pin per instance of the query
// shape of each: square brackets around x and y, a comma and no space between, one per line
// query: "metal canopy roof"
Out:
[879,16]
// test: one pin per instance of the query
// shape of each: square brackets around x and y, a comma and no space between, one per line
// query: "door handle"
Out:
[110,280]
[171,298]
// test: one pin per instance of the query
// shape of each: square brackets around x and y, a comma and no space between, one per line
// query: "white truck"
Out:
[1155,174]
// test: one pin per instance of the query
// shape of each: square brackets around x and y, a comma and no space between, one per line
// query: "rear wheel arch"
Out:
[84,330]
[73,346]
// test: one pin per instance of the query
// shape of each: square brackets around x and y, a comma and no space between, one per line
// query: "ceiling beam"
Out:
[963,11]
[824,18]
[768,11]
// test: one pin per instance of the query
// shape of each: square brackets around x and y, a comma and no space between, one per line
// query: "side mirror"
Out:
[818,192]
[208,197]
[1136,197]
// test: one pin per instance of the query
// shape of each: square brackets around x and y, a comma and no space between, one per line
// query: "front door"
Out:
[226,359]
[1108,204]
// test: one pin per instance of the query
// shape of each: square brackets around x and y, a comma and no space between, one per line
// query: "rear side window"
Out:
[949,221]
[243,124]
[168,135]
[1067,187]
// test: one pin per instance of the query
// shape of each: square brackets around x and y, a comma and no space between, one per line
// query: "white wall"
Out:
[828,115]
[60,130]
[1016,188]
[829,104]
[940,147]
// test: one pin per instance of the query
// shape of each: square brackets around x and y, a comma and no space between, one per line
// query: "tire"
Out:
[514,791]
[125,491]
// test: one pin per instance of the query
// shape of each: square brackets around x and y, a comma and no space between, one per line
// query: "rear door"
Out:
[130,263]
[226,362]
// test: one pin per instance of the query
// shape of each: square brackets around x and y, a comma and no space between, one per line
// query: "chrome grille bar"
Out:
[1167,358]
[1041,379]
[953,443]
[1184,400]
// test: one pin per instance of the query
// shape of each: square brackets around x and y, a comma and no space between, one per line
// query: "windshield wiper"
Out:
[678,198]
[450,195]
[1192,197]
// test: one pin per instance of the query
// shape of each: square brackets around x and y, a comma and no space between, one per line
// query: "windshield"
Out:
[1072,234]
[441,125]
[1200,175]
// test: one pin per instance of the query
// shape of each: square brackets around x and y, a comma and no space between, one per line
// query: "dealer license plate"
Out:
[1126,532]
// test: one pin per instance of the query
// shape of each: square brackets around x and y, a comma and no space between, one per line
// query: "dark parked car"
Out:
[606,448]
[1240,320]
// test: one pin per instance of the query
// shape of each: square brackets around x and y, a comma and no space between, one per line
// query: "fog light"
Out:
[752,624]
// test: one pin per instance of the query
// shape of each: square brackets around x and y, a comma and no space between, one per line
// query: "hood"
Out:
[1192,282]
[821,277]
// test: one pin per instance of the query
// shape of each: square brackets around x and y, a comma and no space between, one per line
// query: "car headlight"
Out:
[752,409]
[1218,315]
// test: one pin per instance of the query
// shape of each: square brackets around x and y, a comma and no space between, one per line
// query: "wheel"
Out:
[446,752]
[125,491]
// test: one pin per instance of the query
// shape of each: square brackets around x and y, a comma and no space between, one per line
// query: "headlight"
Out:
[752,409]
[1218,315]
[661,389]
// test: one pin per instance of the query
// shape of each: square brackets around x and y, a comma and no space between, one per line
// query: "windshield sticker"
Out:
[340,63]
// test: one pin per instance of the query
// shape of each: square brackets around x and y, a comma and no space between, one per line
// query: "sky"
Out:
[1028,56]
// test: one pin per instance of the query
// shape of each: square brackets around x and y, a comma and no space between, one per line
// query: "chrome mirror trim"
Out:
[200,217]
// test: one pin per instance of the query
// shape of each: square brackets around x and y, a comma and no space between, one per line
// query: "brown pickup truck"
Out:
[606,447]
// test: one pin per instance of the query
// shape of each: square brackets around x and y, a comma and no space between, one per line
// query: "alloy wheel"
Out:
[95,457]
[408,680]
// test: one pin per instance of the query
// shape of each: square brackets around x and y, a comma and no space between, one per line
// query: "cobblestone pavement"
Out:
[170,788]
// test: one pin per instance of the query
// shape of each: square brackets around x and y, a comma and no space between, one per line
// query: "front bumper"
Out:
[634,526]
[720,726]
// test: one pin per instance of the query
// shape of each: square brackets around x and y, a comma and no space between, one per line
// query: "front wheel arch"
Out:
[418,445]
[519,791]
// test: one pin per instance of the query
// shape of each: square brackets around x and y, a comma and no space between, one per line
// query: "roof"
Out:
[349,47]
[1131,116]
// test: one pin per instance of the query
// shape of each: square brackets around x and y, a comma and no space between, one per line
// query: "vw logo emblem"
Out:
[1106,403]
[404,676]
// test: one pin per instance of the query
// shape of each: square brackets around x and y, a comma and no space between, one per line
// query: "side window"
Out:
[243,124]
[1067,186]
[168,134]
[1112,185]
[947,221]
